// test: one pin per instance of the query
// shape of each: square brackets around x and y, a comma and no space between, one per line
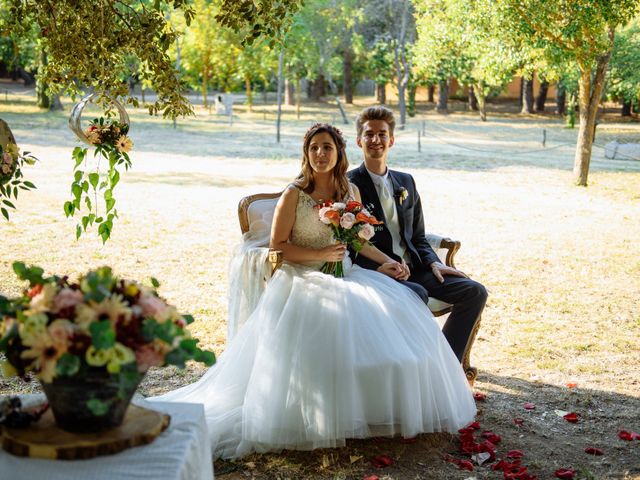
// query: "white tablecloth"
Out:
[182,452]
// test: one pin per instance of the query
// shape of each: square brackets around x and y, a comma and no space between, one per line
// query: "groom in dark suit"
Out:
[395,199]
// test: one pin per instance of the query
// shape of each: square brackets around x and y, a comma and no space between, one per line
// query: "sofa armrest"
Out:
[444,247]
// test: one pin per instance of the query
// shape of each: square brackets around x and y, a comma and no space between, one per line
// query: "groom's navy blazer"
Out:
[410,218]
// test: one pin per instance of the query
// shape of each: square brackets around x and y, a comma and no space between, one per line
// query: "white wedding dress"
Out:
[323,359]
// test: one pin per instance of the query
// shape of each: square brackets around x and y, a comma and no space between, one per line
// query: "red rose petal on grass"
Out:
[371,477]
[492,437]
[474,425]
[479,396]
[529,406]
[571,417]
[572,385]
[515,454]
[382,461]
[628,436]
[518,421]
[565,473]
[465,465]
[594,451]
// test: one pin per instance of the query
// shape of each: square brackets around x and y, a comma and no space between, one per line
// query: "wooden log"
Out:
[44,439]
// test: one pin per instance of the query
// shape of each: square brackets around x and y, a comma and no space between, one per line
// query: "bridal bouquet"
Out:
[11,177]
[100,325]
[112,146]
[352,225]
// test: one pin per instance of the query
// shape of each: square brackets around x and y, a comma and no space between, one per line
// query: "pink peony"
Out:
[151,305]
[347,220]
[67,298]
[367,232]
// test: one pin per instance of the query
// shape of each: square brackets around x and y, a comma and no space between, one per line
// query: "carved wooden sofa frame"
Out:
[252,207]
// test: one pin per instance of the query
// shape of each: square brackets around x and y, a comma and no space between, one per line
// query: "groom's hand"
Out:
[394,270]
[439,270]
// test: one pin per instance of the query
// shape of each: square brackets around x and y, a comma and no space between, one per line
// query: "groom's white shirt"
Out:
[391,212]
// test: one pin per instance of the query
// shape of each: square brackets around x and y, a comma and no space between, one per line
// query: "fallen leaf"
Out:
[571,417]
[325,461]
[529,406]
[371,477]
[382,461]
[565,473]
[560,413]
[572,385]
[479,396]
[594,451]
[250,465]
[518,421]
[354,458]
[515,454]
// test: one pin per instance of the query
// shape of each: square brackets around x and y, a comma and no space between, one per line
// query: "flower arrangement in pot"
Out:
[90,342]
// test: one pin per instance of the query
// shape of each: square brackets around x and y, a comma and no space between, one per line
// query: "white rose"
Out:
[347,220]
[367,232]
[322,212]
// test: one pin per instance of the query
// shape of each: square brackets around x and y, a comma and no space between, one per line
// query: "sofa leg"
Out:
[470,372]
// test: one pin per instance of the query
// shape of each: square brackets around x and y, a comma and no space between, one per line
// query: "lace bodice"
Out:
[308,231]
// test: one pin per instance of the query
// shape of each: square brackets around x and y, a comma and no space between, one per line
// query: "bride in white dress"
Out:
[322,359]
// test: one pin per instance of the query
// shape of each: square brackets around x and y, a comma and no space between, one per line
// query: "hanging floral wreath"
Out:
[111,148]
[11,177]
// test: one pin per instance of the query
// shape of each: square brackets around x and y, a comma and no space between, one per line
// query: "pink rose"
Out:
[347,220]
[8,159]
[67,298]
[151,305]
[60,331]
[147,356]
[367,232]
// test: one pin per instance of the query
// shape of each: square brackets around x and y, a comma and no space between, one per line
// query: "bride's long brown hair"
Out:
[305,181]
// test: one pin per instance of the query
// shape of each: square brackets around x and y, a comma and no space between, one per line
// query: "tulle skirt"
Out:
[323,359]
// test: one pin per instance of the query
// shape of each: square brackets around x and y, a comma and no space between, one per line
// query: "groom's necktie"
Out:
[391,216]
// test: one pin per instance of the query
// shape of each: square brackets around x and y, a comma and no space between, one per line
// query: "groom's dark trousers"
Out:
[467,296]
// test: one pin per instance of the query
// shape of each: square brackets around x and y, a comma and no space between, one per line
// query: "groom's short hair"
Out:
[379,112]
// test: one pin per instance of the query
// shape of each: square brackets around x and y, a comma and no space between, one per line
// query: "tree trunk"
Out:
[247,88]
[430,92]
[347,69]
[381,93]
[527,95]
[279,94]
[205,85]
[317,89]
[561,99]
[298,98]
[473,100]
[542,96]
[443,97]
[289,92]
[482,101]
[589,99]
[626,109]
[411,93]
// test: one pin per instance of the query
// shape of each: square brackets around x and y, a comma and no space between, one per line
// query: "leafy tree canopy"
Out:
[89,45]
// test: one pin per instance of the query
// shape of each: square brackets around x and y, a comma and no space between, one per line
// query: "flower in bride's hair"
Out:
[347,220]
[366,232]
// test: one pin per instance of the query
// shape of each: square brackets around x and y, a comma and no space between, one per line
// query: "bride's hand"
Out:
[333,253]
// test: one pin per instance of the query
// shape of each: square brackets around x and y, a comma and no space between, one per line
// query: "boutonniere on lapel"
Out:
[402,194]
